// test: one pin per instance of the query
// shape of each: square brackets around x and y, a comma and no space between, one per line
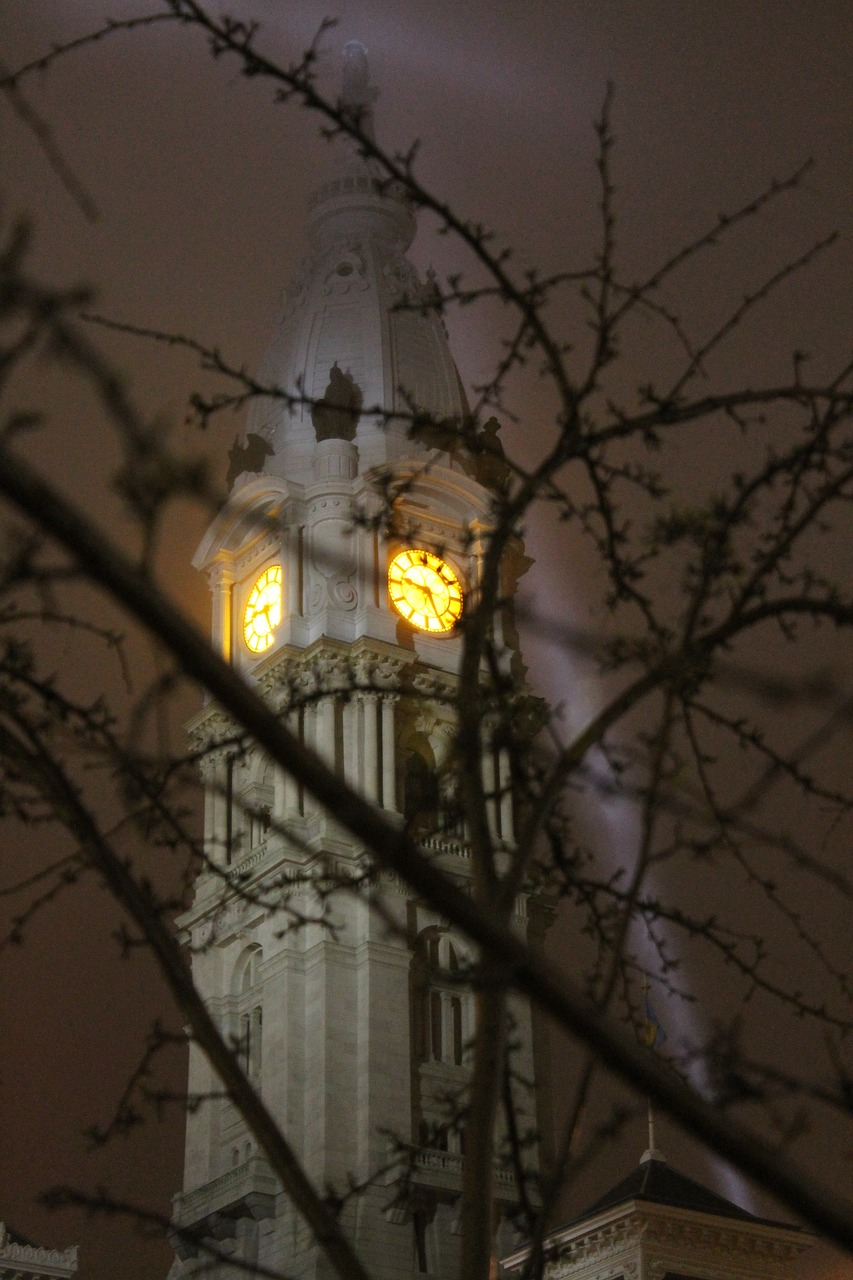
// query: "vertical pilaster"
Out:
[389,764]
[290,789]
[325,722]
[371,742]
[209,803]
[310,737]
[286,793]
[216,807]
[350,717]
[292,554]
[221,578]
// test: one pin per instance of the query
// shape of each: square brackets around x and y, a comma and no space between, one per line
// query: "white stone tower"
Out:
[355,1030]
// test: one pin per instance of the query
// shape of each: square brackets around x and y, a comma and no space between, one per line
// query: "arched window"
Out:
[442,1026]
[441,1001]
[245,970]
[421,797]
[259,825]
[258,802]
[430,799]
[250,1015]
[251,1041]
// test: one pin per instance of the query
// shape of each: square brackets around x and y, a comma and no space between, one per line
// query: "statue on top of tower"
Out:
[335,416]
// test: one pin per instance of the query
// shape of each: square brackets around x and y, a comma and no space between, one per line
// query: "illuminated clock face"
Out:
[263,610]
[425,591]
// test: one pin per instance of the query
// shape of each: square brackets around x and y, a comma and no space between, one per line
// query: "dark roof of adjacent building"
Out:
[655,1182]
[15,1237]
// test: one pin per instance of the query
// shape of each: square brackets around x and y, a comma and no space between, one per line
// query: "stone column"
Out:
[349,713]
[286,792]
[293,572]
[389,761]
[310,736]
[215,806]
[371,761]
[325,722]
[335,459]
[221,578]
[446,1027]
[208,773]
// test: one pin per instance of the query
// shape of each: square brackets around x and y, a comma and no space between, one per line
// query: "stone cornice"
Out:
[32,1260]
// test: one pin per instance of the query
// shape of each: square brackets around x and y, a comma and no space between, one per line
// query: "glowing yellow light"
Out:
[425,591]
[263,610]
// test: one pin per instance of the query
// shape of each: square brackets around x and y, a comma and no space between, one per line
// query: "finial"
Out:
[653,1035]
[651,1152]
[357,93]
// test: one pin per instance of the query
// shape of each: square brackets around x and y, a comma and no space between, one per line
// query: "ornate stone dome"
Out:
[357,331]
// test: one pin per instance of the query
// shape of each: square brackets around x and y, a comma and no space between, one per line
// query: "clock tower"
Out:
[340,571]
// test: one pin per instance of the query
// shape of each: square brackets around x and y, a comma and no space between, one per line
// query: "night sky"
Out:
[200,185]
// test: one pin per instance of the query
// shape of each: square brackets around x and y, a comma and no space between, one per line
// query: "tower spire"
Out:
[356,312]
[357,93]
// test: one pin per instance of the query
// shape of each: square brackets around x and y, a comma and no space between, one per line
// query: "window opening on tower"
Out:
[441,1004]
[250,1014]
[421,796]
[229,809]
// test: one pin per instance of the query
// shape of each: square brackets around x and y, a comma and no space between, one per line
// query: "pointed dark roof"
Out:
[15,1237]
[656,1183]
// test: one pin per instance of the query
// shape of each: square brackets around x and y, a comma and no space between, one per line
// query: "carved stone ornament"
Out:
[424,722]
[203,935]
[220,575]
[332,674]
[348,273]
[249,457]
[229,920]
[32,1260]
[372,672]
[259,551]
[401,278]
[333,563]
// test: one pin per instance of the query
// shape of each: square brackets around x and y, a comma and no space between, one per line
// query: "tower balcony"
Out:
[441,1171]
[214,1209]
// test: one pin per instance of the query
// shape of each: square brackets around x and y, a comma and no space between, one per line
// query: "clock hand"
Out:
[266,609]
[429,599]
[442,595]
[415,594]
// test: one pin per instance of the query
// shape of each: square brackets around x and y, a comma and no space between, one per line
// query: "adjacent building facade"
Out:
[22,1260]
[657,1224]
